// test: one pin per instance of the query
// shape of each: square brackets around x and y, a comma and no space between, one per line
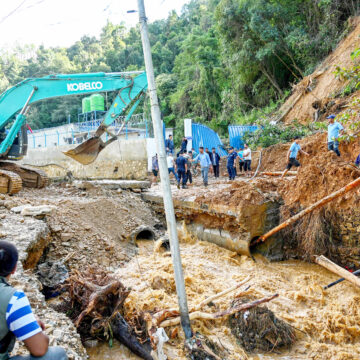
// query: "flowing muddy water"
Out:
[329,321]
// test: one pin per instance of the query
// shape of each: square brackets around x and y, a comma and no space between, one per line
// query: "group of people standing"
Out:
[210,161]
[185,161]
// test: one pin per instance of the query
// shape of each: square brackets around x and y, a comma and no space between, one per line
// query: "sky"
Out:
[62,22]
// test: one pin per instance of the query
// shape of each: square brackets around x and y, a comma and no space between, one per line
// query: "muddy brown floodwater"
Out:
[328,321]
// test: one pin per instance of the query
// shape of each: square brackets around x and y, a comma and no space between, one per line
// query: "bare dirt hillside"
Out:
[316,95]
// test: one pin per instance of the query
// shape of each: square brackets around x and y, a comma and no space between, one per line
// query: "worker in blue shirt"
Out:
[181,165]
[230,163]
[334,130]
[295,148]
[205,162]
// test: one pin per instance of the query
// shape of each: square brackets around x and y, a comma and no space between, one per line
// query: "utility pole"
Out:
[164,175]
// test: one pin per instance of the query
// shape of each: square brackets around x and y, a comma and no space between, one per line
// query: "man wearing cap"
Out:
[292,154]
[334,129]
[230,163]
[17,320]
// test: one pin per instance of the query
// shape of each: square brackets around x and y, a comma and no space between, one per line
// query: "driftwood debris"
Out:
[338,270]
[213,316]
[219,295]
[123,334]
[351,186]
[258,329]
[96,303]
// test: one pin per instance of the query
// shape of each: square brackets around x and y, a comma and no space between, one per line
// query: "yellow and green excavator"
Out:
[15,103]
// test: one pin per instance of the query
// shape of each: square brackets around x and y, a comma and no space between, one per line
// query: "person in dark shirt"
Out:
[230,163]
[181,164]
[215,162]
[183,146]
[188,156]
[169,144]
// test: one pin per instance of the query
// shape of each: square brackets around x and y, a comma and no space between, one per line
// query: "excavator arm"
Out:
[16,100]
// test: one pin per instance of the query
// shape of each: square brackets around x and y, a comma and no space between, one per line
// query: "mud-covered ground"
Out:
[91,225]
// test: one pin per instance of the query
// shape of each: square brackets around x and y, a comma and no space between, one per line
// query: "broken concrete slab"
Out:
[120,184]
[35,211]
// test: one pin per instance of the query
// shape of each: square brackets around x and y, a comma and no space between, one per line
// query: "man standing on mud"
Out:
[334,129]
[215,161]
[17,320]
[247,159]
[230,163]
[155,168]
[181,164]
[188,157]
[292,155]
[205,162]
[170,164]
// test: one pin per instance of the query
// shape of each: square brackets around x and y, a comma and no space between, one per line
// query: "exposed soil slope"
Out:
[317,90]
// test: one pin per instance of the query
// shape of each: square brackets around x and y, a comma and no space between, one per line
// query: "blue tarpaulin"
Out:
[206,137]
[236,134]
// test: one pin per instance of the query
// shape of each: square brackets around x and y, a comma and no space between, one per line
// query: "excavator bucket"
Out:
[87,152]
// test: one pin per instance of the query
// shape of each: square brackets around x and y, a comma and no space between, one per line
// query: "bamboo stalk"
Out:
[338,270]
[308,210]
[206,316]
[217,296]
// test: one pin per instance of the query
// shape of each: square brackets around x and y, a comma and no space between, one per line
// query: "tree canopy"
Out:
[215,62]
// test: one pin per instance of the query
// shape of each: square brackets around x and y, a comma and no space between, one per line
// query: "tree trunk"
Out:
[121,332]
[308,210]
[272,80]
[338,270]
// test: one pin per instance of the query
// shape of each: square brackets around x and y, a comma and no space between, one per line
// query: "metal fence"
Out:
[76,133]
[237,132]
[206,137]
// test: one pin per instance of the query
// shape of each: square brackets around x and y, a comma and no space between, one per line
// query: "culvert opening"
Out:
[145,235]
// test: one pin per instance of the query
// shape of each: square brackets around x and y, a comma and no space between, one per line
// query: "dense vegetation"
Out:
[219,62]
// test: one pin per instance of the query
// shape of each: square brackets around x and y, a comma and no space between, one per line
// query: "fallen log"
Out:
[96,299]
[208,316]
[219,295]
[277,173]
[351,186]
[357,272]
[122,333]
[338,270]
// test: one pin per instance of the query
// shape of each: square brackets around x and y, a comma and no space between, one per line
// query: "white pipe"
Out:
[164,175]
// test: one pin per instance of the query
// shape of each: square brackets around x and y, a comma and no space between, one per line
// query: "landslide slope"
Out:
[318,94]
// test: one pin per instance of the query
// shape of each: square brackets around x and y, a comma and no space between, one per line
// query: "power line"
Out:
[12,12]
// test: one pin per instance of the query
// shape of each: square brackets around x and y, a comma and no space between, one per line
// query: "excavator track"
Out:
[31,177]
[10,183]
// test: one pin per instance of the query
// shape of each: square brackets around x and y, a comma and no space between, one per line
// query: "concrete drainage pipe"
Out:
[142,233]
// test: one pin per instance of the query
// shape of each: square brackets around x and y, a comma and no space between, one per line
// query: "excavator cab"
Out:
[19,147]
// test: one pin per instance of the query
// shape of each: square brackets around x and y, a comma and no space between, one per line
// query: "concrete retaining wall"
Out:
[124,159]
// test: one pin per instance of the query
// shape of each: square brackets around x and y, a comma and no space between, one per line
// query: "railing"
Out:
[76,133]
